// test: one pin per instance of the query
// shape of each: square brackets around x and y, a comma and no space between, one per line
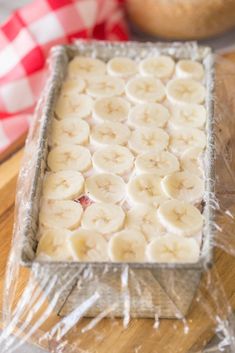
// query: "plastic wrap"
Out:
[66,308]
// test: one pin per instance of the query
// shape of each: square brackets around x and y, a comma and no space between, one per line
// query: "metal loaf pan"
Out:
[136,289]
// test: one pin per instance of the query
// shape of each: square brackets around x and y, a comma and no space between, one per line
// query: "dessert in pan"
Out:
[124,179]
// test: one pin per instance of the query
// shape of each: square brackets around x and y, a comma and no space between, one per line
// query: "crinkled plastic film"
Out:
[94,309]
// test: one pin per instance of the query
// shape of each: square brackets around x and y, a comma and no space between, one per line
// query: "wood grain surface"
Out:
[140,336]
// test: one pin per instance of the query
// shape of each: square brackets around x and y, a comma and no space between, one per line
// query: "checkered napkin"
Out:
[25,40]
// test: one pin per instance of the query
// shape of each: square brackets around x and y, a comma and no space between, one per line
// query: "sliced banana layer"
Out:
[160,163]
[183,186]
[190,160]
[64,185]
[189,115]
[180,218]
[105,86]
[72,130]
[54,243]
[113,109]
[140,151]
[121,67]
[72,86]
[150,115]
[86,67]
[182,90]
[88,245]
[143,218]
[173,249]
[127,246]
[105,187]
[160,67]
[146,188]
[110,133]
[103,217]
[113,159]
[76,105]
[145,89]
[190,69]
[69,157]
[60,214]
[146,140]
[185,138]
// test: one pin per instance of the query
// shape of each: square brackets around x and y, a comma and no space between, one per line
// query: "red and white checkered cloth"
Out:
[25,40]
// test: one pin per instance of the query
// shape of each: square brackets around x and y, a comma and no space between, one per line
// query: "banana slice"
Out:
[180,218]
[184,138]
[182,90]
[113,159]
[190,160]
[87,245]
[43,257]
[85,67]
[103,217]
[146,188]
[105,86]
[110,133]
[160,67]
[113,109]
[127,246]
[150,115]
[160,163]
[60,214]
[146,140]
[73,105]
[107,188]
[145,89]
[54,243]
[121,67]
[183,186]
[71,86]
[173,249]
[71,130]
[189,115]
[69,157]
[144,219]
[63,185]
[190,69]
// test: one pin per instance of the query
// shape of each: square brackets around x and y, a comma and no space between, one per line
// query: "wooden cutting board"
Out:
[140,336]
